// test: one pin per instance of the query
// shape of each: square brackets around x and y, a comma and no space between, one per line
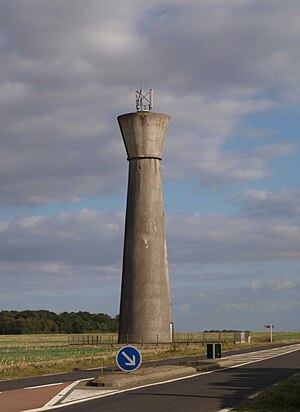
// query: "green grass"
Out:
[28,355]
[25,355]
[277,337]
[33,340]
[283,397]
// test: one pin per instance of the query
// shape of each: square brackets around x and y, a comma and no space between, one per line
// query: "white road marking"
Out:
[44,386]
[103,395]
[255,395]
[62,393]
[57,398]
[225,410]
[78,394]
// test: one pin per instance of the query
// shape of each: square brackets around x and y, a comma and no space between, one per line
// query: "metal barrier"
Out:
[180,339]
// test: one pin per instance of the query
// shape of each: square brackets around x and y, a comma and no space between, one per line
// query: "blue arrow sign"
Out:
[129,358]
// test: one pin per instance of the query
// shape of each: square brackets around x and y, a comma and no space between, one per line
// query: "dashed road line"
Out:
[44,386]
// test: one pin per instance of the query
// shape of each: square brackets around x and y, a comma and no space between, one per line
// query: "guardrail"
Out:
[196,338]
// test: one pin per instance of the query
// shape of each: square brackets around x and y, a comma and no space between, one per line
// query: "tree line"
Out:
[225,331]
[44,321]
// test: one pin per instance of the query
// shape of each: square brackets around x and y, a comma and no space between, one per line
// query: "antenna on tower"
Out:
[143,101]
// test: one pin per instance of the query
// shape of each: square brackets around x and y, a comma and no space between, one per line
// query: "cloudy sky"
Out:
[227,71]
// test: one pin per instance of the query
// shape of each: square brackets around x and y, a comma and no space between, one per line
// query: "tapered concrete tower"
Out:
[145,309]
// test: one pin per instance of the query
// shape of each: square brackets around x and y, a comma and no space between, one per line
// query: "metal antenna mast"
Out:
[143,100]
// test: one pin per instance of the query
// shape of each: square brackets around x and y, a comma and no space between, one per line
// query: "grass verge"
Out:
[282,397]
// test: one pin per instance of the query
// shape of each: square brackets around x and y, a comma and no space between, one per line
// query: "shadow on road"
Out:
[214,391]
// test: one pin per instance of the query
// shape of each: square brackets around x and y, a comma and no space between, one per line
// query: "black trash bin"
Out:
[218,350]
[210,351]
[214,350]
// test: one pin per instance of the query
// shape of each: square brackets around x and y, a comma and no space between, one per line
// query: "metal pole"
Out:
[271,335]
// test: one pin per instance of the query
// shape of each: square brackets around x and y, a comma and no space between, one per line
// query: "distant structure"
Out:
[145,308]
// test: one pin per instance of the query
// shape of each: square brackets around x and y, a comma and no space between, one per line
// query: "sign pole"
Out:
[271,335]
[270,326]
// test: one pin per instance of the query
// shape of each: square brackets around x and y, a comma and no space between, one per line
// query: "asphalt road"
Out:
[85,374]
[208,392]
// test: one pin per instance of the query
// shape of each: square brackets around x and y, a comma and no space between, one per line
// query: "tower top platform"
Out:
[143,133]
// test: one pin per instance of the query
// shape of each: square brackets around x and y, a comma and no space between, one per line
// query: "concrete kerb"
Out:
[120,380]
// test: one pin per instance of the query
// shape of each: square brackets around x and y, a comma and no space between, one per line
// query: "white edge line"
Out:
[45,407]
[254,395]
[44,386]
[225,410]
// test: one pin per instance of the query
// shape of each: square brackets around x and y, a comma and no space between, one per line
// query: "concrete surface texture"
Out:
[142,376]
[145,309]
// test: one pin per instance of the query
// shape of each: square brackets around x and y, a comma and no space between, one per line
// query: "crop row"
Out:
[14,356]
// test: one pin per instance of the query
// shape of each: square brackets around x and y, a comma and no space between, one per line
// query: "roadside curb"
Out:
[118,380]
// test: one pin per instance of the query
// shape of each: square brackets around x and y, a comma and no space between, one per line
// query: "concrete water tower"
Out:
[145,308]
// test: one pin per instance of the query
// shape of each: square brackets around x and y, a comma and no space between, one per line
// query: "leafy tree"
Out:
[43,321]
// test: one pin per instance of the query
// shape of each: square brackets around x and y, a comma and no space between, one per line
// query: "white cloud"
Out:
[69,68]
[283,284]
[71,258]
[237,46]
[199,129]
[279,284]
[265,203]
[80,238]
[90,238]
[256,284]
[236,306]
[223,238]
[277,149]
